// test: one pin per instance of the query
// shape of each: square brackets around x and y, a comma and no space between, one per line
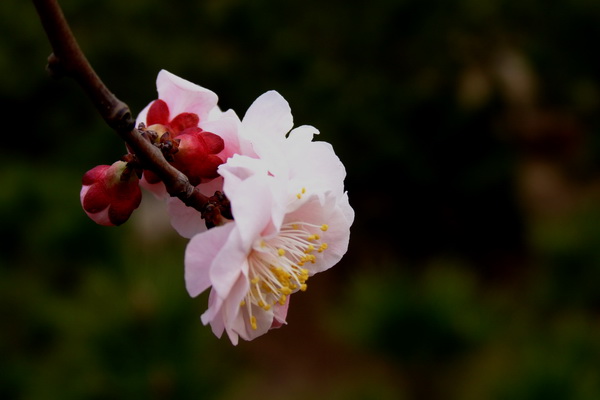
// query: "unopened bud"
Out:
[196,156]
[110,193]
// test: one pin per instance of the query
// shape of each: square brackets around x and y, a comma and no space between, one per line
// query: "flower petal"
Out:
[158,113]
[94,174]
[184,96]
[239,168]
[257,198]
[212,315]
[121,209]
[253,207]
[228,263]
[304,133]
[324,172]
[242,325]
[214,143]
[183,121]
[101,217]
[187,221]
[269,117]
[199,255]
[334,212]
[226,124]
[280,313]
[96,198]
[156,188]
[233,313]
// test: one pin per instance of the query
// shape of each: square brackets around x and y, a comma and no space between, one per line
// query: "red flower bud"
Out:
[110,193]
[193,151]
[196,155]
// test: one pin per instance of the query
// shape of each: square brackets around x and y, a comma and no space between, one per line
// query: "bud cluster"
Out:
[110,194]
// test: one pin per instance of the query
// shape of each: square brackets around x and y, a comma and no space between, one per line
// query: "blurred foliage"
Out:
[470,133]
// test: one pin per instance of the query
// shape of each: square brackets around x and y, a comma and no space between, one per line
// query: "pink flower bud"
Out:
[110,193]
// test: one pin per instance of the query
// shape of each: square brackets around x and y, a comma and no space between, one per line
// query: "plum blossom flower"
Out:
[275,243]
[291,220]
[110,193]
[195,135]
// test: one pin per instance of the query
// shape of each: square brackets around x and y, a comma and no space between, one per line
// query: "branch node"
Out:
[121,119]
[55,68]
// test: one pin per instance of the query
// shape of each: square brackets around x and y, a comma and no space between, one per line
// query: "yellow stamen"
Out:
[285,290]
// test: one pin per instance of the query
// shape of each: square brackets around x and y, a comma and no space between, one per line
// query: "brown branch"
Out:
[67,59]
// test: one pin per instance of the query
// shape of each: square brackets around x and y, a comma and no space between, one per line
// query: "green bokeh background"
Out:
[469,130]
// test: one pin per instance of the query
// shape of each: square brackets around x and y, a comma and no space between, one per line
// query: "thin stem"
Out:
[67,59]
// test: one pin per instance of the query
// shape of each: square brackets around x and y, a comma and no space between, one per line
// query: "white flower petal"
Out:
[268,117]
[304,133]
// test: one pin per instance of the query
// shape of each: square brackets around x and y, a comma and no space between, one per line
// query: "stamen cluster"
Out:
[276,266]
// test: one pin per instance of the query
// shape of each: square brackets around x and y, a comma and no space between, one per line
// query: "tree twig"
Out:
[67,59]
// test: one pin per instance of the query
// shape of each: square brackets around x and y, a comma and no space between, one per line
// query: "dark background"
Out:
[469,130]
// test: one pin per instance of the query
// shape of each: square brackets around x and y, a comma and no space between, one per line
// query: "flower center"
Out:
[276,265]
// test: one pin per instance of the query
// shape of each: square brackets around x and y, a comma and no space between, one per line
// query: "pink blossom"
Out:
[268,253]
[291,220]
[110,193]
